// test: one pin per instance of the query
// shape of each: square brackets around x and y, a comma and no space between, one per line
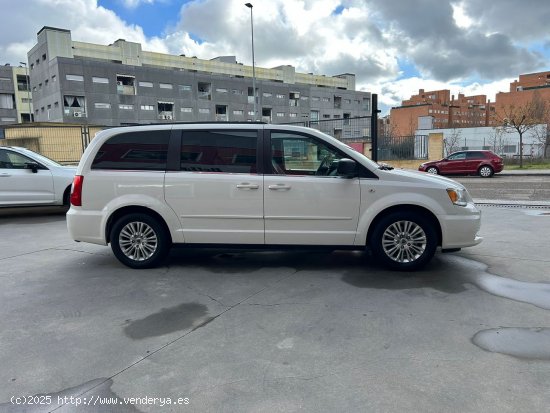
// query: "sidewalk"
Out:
[524,172]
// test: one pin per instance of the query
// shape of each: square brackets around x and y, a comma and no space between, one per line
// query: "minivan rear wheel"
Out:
[139,241]
[404,241]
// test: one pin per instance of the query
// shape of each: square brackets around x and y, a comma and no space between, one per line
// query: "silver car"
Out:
[28,178]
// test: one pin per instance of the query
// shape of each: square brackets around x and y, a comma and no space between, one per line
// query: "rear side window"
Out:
[219,151]
[475,155]
[135,151]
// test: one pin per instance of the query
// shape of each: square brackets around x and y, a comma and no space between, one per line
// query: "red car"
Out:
[482,163]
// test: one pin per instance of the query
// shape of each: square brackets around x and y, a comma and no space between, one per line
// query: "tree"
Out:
[523,118]
[451,141]
[498,140]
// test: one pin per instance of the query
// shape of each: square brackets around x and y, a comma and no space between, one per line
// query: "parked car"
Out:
[482,163]
[28,178]
[145,188]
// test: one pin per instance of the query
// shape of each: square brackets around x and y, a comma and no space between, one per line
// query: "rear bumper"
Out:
[86,226]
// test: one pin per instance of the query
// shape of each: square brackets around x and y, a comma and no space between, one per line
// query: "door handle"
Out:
[246,185]
[279,187]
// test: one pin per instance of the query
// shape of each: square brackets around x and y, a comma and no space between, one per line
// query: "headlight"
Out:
[458,196]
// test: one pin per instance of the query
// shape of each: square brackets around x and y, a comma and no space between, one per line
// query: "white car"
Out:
[28,179]
[144,188]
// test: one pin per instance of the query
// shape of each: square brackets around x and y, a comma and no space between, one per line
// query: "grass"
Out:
[544,164]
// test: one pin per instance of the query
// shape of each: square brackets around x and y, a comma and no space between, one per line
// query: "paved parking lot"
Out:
[233,331]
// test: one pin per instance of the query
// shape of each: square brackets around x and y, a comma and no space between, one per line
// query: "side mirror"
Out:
[346,168]
[33,166]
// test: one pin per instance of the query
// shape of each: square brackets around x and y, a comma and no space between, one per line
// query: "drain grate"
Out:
[526,206]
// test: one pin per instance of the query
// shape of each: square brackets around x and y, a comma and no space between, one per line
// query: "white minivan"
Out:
[143,189]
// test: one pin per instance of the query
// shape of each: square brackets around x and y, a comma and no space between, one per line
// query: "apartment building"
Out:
[523,91]
[15,98]
[439,109]
[121,84]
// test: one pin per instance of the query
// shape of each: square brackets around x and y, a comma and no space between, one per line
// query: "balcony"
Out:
[125,90]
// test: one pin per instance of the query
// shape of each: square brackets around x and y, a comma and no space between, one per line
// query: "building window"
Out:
[76,78]
[126,107]
[165,85]
[147,107]
[326,116]
[102,105]
[237,92]
[315,98]
[204,110]
[279,96]
[221,90]
[366,104]
[100,79]
[305,98]
[186,110]
[238,112]
[7,119]
[205,90]
[46,82]
[184,88]
[7,79]
[325,99]
[337,102]
[251,113]
[165,110]
[7,101]
[56,104]
[267,95]
[54,78]
[280,114]
[293,115]
[145,84]
[44,56]
[74,106]
[125,85]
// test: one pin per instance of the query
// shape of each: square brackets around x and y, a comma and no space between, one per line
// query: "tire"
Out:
[485,171]
[432,170]
[404,241]
[139,241]
[67,196]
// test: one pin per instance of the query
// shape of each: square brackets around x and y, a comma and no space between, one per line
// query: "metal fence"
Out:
[391,148]
[344,129]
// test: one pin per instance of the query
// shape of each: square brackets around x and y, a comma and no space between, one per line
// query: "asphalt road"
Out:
[513,188]
[275,331]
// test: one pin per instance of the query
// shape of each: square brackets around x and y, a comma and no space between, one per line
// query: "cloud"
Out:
[133,4]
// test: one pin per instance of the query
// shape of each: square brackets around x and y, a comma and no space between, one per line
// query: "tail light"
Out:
[76,191]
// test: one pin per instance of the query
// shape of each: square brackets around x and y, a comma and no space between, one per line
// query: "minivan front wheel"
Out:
[139,241]
[404,241]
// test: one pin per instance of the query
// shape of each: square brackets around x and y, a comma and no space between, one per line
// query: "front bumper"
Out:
[461,230]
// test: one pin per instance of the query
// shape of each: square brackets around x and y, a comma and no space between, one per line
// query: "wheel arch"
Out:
[406,208]
[133,209]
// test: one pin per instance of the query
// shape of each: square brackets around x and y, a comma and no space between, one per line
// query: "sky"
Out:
[394,47]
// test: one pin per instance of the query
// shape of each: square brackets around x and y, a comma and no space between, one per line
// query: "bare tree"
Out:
[523,118]
[498,140]
[451,141]
[542,135]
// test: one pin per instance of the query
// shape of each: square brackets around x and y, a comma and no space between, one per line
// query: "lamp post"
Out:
[249,5]
[28,81]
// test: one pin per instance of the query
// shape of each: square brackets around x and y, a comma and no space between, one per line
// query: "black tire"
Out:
[432,170]
[67,196]
[389,240]
[145,241]
[485,171]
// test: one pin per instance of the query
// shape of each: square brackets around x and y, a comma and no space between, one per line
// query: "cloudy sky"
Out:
[394,47]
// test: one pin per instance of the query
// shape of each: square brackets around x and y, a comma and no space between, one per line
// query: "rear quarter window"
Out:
[146,150]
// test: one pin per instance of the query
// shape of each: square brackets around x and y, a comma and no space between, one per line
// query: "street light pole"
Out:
[28,81]
[249,5]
